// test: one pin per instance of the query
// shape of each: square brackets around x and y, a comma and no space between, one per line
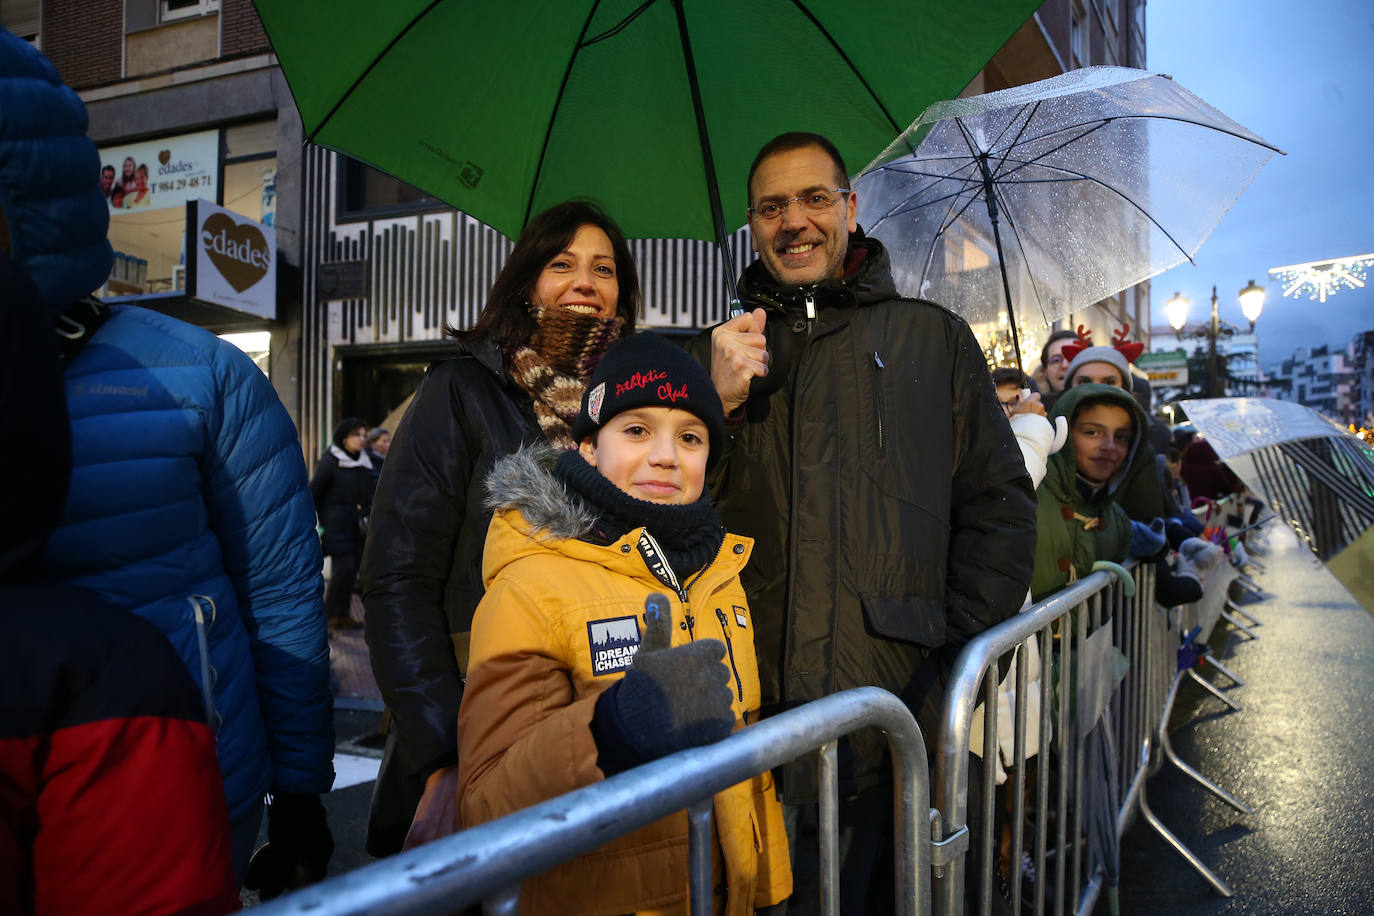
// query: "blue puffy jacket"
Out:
[188,483]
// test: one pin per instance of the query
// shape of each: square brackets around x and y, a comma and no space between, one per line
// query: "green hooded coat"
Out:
[1074,529]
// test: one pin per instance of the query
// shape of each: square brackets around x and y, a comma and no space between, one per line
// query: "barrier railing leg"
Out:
[699,857]
[1167,747]
[1162,735]
[1212,660]
[1208,875]
[1214,690]
[1231,619]
[830,830]
[1232,606]
[1249,585]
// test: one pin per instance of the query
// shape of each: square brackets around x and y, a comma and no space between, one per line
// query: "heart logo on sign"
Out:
[238,252]
[165,156]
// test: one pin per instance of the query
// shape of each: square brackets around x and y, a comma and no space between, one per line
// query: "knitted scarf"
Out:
[555,366]
[690,535]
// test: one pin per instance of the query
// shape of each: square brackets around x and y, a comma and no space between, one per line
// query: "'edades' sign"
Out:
[233,261]
[160,173]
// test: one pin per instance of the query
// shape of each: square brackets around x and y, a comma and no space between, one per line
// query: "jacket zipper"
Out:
[203,606]
[879,402]
[811,305]
[730,650]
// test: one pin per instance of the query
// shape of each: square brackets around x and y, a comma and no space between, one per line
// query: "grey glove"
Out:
[670,698]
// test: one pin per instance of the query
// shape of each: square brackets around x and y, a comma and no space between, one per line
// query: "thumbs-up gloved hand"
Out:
[670,698]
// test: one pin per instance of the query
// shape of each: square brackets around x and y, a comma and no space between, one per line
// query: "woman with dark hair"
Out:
[342,487]
[567,292]
[1054,366]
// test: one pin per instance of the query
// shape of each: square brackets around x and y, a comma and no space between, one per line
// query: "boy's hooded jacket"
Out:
[1073,530]
[547,639]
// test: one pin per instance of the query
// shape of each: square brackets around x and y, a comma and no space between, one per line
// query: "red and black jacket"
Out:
[111,798]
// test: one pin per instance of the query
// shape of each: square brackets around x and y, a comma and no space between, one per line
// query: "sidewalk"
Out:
[1301,754]
[349,669]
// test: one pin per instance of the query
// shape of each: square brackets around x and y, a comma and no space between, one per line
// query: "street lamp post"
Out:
[1214,387]
[1251,302]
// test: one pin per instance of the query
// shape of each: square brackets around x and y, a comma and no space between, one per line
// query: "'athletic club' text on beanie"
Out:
[646,370]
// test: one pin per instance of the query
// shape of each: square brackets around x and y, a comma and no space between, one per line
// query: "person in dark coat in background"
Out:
[892,514]
[1159,432]
[1205,474]
[567,292]
[342,487]
[378,444]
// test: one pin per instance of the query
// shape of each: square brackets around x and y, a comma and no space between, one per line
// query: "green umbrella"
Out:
[502,108]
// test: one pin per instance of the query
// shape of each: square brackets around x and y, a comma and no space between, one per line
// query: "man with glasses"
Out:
[891,511]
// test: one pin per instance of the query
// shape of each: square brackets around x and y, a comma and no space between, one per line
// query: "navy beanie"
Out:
[646,370]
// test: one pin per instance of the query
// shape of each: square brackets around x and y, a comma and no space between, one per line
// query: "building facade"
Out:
[1323,378]
[393,267]
[190,110]
[370,271]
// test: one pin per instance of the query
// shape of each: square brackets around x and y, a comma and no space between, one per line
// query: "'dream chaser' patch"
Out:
[613,643]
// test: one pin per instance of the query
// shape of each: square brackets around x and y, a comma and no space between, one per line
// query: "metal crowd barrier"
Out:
[488,862]
[1109,674]
[1095,750]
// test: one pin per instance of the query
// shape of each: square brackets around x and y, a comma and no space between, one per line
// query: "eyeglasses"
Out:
[814,202]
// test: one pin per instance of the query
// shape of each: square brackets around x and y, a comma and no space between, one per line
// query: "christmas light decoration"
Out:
[1319,279]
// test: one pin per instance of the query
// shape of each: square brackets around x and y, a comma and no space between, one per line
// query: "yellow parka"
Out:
[557,626]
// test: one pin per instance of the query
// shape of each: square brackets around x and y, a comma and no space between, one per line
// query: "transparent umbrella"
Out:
[1314,475]
[1054,195]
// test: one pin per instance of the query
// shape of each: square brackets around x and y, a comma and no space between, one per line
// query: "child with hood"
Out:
[1078,520]
[615,631]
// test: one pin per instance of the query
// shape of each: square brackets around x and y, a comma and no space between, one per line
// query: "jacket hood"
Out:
[1063,467]
[524,481]
[871,281]
[49,179]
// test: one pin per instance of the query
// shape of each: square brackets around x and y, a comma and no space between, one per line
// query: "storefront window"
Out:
[148,185]
[257,344]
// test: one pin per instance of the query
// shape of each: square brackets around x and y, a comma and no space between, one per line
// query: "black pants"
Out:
[338,595]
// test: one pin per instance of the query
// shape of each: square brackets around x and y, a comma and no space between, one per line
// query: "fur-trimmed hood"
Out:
[525,481]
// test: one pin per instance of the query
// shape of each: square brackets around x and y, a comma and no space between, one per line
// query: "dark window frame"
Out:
[350,192]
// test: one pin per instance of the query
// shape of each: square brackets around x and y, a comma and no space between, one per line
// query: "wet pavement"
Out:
[1301,754]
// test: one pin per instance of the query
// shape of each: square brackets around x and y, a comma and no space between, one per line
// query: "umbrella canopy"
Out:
[503,110]
[1056,194]
[1314,475]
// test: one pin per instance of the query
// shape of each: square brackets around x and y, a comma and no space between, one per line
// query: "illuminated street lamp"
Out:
[1176,309]
[1251,302]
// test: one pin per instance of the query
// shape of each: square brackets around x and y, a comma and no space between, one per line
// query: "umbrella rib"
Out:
[1025,125]
[553,112]
[618,27]
[368,69]
[1258,141]
[1124,196]
[1051,151]
[899,209]
[1016,234]
[849,63]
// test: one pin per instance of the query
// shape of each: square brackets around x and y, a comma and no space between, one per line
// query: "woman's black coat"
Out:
[422,568]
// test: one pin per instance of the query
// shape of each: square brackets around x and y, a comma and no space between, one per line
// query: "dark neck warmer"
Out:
[690,535]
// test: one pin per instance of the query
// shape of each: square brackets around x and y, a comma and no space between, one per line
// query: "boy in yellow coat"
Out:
[570,680]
